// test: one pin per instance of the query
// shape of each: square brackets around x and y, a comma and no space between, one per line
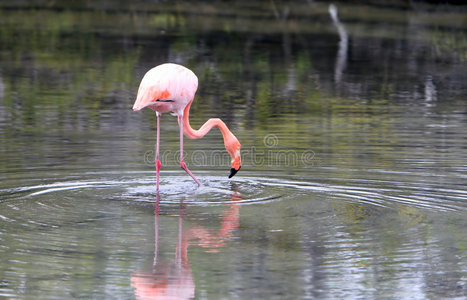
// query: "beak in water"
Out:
[233,171]
[236,161]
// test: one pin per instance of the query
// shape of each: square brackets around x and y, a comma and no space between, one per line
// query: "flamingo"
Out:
[171,88]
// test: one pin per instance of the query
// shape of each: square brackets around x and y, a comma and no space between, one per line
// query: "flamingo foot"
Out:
[184,167]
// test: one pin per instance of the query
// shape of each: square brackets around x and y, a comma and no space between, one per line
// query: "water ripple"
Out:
[139,187]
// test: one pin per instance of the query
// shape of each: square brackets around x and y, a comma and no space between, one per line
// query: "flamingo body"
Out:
[171,88]
[167,88]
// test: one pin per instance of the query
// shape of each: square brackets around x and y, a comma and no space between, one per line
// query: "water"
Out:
[353,134]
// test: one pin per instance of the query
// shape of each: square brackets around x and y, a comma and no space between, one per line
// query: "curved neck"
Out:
[196,134]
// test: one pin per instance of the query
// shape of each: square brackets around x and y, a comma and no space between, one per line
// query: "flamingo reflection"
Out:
[174,280]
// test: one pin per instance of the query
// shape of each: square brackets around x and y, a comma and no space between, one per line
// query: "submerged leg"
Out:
[182,162]
[158,162]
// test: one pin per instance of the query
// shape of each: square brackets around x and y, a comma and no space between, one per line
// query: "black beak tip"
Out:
[233,171]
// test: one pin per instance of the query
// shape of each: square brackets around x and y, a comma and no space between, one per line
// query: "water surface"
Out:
[353,130]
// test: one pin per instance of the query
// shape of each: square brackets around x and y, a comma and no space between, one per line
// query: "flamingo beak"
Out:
[236,164]
[233,171]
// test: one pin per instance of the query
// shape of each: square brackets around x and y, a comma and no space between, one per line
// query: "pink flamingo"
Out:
[171,88]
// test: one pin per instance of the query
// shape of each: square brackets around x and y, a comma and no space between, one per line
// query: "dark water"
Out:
[353,133]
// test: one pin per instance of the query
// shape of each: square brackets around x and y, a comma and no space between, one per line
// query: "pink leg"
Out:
[182,162]
[158,162]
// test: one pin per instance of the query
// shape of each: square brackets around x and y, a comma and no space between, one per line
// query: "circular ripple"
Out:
[140,187]
[54,196]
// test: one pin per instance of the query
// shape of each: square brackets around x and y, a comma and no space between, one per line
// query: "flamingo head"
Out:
[233,148]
